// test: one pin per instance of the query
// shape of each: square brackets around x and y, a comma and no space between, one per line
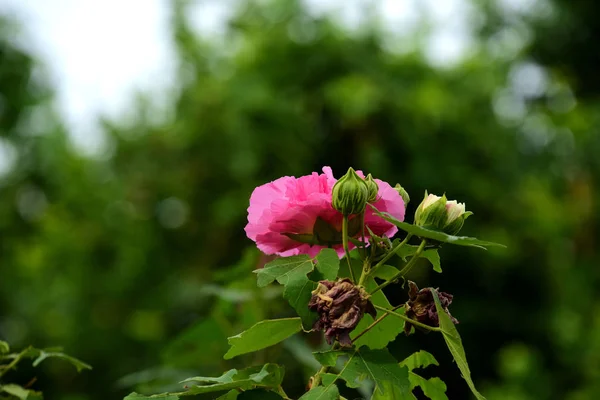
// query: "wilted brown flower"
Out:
[421,306]
[340,305]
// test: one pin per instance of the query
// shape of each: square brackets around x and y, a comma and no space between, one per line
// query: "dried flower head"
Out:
[421,306]
[340,305]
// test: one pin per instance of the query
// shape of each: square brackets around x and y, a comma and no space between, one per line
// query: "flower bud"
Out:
[403,193]
[350,194]
[372,189]
[340,305]
[438,213]
[421,306]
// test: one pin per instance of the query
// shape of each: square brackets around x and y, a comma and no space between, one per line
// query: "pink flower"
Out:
[283,213]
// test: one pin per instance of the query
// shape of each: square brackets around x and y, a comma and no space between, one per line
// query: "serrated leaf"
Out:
[329,392]
[377,365]
[454,343]
[284,269]
[227,377]
[298,292]
[419,359]
[165,396]
[436,235]
[434,388]
[78,364]
[385,331]
[267,376]
[261,335]
[328,265]
[4,347]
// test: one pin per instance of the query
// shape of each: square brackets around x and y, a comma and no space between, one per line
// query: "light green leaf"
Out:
[15,390]
[43,355]
[298,292]
[4,347]
[329,392]
[262,335]
[267,376]
[419,359]
[385,331]
[434,388]
[284,269]
[377,365]
[164,396]
[454,344]
[436,235]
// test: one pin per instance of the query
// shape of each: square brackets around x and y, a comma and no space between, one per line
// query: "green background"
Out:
[136,261]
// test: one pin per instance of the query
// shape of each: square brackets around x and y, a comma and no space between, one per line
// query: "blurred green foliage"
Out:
[137,263]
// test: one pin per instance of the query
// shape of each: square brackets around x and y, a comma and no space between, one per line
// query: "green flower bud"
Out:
[438,213]
[372,188]
[350,194]
[402,193]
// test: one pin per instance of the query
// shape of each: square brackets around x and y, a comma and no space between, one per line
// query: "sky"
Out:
[96,60]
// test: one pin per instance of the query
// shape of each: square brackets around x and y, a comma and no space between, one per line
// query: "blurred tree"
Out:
[112,256]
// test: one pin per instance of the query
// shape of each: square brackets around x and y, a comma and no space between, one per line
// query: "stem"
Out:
[13,363]
[404,270]
[282,392]
[412,321]
[345,244]
[378,320]
[393,252]
[317,378]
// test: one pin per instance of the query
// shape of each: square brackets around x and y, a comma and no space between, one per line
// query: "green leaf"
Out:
[262,335]
[231,395]
[259,394]
[329,392]
[377,365]
[434,388]
[454,344]
[4,347]
[431,254]
[283,269]
[43,355]
[15,390]
[328,265]
[391,392]
[269,376]
[298,292]
[436,235]
[385,331]
[164,396]
[386,272]
[419,359]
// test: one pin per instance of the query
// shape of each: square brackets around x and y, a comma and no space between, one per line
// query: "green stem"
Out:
[13,363]
[404,270]
[345,244]
[389,255]
[378,320]
[316,379]
[412,321]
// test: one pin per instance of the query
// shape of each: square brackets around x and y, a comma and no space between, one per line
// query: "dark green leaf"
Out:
[283,269]
[164,396]
[4,347]
[269,376]
[329,392]
[438,236]
[454,344]
[328,265]
[259,394]
[15,390]
[231,395]
[262,335]
[386,272]
[377,365]
[78,364]
[298,292]
[391,392]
